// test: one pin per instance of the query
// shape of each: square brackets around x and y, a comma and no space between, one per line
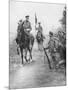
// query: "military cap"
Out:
[20,20]
[39,22]
[27,16]
[51,33]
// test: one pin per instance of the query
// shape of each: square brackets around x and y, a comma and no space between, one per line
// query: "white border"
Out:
[4,44]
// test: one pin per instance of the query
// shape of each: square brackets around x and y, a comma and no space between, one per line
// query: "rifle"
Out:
[47,57]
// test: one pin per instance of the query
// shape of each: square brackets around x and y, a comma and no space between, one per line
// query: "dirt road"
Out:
[35,74]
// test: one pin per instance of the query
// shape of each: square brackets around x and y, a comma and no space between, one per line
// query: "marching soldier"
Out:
[56,49]
[62,45]
[62,38]
[51,43]
[52,48]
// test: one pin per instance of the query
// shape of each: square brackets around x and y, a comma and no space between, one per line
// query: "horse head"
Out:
[39,36]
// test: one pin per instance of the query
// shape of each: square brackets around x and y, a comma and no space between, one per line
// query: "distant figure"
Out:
[19,31]
[19,25]
[40,38]
[18,34]
[39,28]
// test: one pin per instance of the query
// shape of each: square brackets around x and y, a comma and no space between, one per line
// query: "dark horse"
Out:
[39,38]
[25,42]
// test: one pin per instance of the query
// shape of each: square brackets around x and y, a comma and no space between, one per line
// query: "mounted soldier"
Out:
[27,26]
[39,35]
[18,38]
[19,31]
[26,40]
[19,25]
[39,28]
[40,31]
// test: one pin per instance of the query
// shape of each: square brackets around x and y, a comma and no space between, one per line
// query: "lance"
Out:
[35,21]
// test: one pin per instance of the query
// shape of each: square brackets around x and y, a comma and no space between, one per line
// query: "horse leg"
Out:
[17,47]
[26,55]
[21,49]
[30,52]
[18,50]
[38,46]
[42,45]
[30,49]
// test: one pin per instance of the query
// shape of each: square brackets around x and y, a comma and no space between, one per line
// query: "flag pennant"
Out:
[35,19]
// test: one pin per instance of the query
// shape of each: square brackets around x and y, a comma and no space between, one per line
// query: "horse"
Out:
[40,38]
[25,42]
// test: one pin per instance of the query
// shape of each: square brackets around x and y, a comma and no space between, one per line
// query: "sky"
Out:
[48,14]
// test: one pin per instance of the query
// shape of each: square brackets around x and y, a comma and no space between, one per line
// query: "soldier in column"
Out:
[52,48]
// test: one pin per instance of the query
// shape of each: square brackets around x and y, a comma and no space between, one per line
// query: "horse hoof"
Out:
[21,65]
[17,52]
[31,60]
[26,62]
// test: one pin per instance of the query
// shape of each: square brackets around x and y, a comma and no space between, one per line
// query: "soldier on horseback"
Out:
[39,28]
[19,29]
[27,26]
[39,36]
[18,34]
[26,40]
[19,25]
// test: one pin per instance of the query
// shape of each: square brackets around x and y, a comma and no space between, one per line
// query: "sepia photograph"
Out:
[37,44]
